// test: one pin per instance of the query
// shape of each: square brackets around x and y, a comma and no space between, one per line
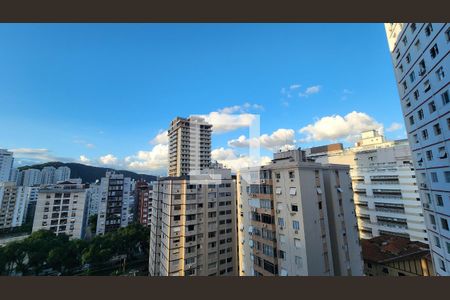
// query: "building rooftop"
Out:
[386,248]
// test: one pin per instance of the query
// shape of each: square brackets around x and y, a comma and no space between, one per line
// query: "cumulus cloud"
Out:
[108,159]
[154,160]
[161,138]
[336,127]
[230,159]
[84,159]
[394,127]
[310,90]
[279,139]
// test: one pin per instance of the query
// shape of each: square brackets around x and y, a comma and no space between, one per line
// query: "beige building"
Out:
[193,226]
[189,145]
[384,184]
[62,208]
[297,218]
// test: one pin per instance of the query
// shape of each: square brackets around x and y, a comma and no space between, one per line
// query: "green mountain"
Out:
[89,174]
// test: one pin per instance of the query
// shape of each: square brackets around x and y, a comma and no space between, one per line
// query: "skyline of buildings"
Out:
[421,64]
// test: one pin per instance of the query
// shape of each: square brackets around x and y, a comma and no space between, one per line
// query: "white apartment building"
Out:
[114,206]
[193,225]
[48,175]
[61,208]
[297,218]
[62,174]
[189,145]
[384,185]
[421,65]
[94,195]
[31,177]
[6,163]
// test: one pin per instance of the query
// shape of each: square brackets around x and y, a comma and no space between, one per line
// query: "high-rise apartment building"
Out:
[31,177]
[48,175]
[6,163]
[12,205]
[61,208]
[421,65]
[62,174]
[193,226]
[94,195]
[384,185]
[114,206]
[189,145]
[297,218]
[143,198]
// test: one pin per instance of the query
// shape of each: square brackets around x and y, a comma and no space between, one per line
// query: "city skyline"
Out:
[72,91]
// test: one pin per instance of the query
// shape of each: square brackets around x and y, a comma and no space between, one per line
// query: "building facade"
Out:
[114,207]
[143,197]
[297,218]
[193,226]
[384,184]
[31,177]
[61,208]
[189,145]
[6,164]
[48,175]
[396,256]
[421,63]
[62,174]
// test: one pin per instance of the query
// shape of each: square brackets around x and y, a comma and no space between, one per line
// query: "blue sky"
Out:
[100,93]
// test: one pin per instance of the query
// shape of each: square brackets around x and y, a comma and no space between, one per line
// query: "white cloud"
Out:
[230,159]
[37,155]
[279,139]
[294,86]
[336,127]
[161,138]
[346,93]
[85,143]
[90,145]
[108,159]
[394,127]
[84,159]
[153,160]
[310,91]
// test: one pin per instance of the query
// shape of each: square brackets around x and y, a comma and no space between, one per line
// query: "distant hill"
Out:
[88,174]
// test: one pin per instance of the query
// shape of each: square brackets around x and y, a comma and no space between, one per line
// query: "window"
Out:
[412,77]
[298,261]
[385,270]
[434,51]
[408,58]
[437,241]
[429,155]
[444,224]
[441,264]
[426,86]
[437,129]
[432,107]
[176,218]
[405,40]
[445,98]
[294,207]
[291,174]
[295,225]
[282,254]
[434,177]
[278,191]
[425,134]
[428,29]
[422,68]
[411,120]
[277,175]
[281,222]
[417,44]
[416,138]
[413,27]
[439,201]
[440,73]
[405,86]
[448,247]
[401,68]
[420,114]
[293,191]
[297,243]
[416,95]
[447,176]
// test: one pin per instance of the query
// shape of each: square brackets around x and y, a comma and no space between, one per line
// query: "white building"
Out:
[62,174]
[94,195]
[31,177]
[193,225]
[421,65]
[384,185]
[14,204]
[114,206]
[14,177]
[61,208]
[48,175]
[189,145]
[6,163]
[297,218]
